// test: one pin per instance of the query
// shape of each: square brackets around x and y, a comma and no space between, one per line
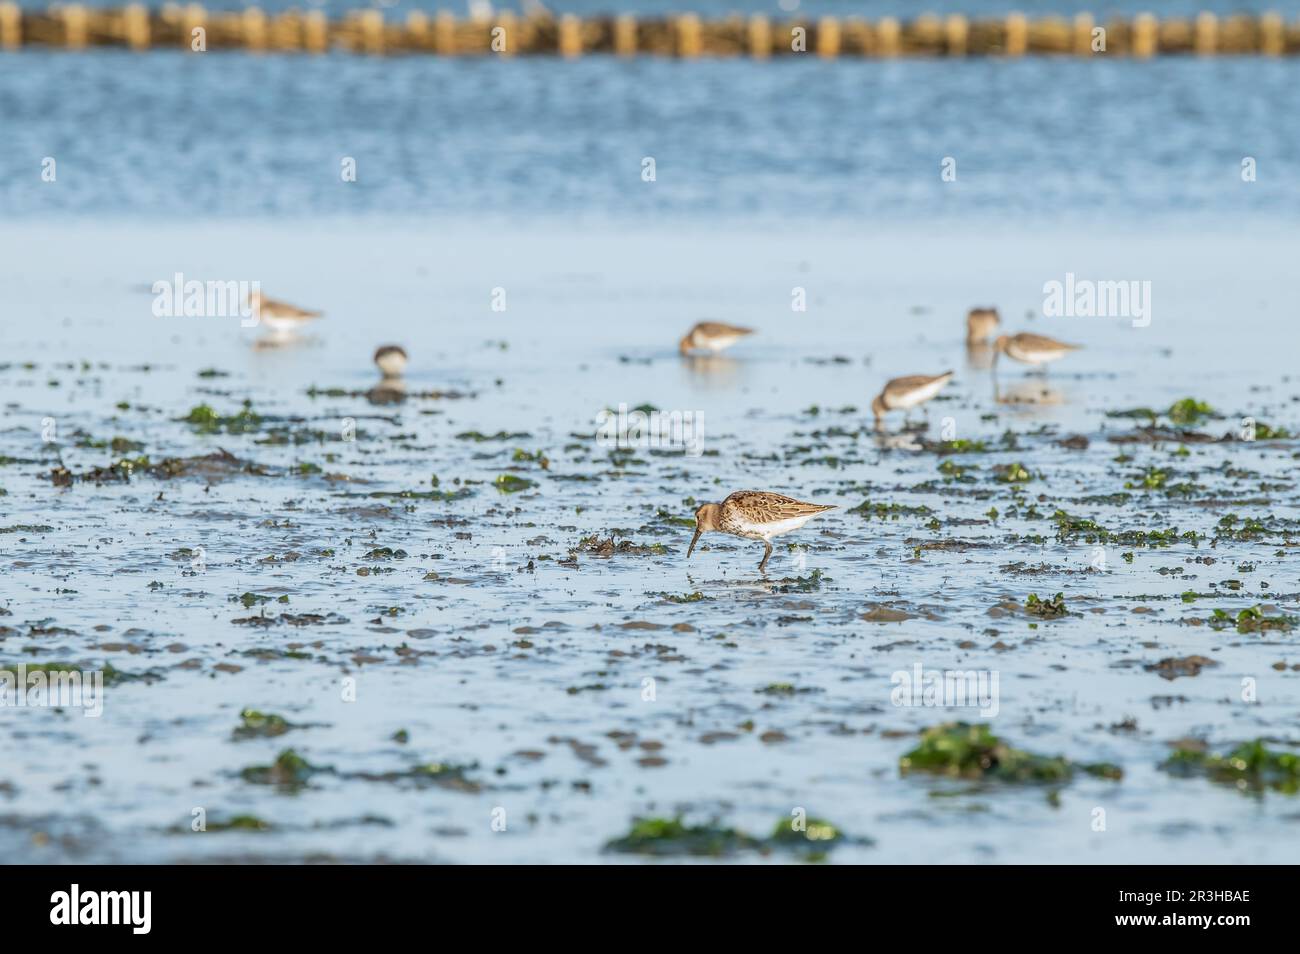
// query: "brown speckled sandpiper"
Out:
[981,325]
[903,394]
[280,316]
[391,360]
[712,336]
[754,515]
[1027,348]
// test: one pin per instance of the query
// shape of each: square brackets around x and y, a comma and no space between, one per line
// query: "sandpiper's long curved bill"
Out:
[694,539]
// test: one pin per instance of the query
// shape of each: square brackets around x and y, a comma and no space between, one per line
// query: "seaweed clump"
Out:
[1053,608]
[1250,767]
[972,751]
[668,837]
[289,772]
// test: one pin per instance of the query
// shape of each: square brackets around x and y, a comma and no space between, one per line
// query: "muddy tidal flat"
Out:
[451,624]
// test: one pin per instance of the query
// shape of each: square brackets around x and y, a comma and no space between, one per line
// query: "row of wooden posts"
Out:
[685,35]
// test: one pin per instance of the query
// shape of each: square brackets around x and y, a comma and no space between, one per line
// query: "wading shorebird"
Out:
[279,316]
[1036,350]
[712,336]
[981,325]
[391,360]
[754,515]
[903,394]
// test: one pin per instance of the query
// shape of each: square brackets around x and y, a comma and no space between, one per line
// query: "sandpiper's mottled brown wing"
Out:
[899,387]
[1028,341]
[718,329]
[761,506]
[282,309]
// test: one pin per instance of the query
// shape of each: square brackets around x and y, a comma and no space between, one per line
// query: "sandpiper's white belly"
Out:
[392,365]
[280,323]
[1033,356]
[919,395]
[720,342]
[766,531]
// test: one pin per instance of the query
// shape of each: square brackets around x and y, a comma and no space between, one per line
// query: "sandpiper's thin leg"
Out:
[767,553]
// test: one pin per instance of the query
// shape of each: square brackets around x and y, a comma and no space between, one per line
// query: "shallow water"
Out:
[497,648]
[1033,141]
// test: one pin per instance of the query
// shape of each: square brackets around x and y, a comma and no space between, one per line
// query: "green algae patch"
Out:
[1189,411]
[480,438]
[1014,473]
[1263,432]
[448,775]
[512,484]
[261,725]
[289,772]
[696,597]
[1253,619]
[1053,608]
[955,471]
[811,839]
[667,837]
[1069,528]
[111,675]
[444,496]
[608,546]
[889,511]
[972,751]
[1250,767]
[1154,478]
[240,823]
[1068,525]
[801,584]
[205,420]
[1185,413]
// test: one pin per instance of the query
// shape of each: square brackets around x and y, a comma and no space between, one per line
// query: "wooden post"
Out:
[690,42]
[760,36]
[372,31]
[11,26]
[135,25]
[828,37]
[570,40]
[509,35]
[1272,35]
[889,37]
[75,26]
[444,33]
[1017,34]
[957,33]
[1145,35]
[315,32]
[1205,39]
[254,24]
[1083,27]
[625,35]
[193,17]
